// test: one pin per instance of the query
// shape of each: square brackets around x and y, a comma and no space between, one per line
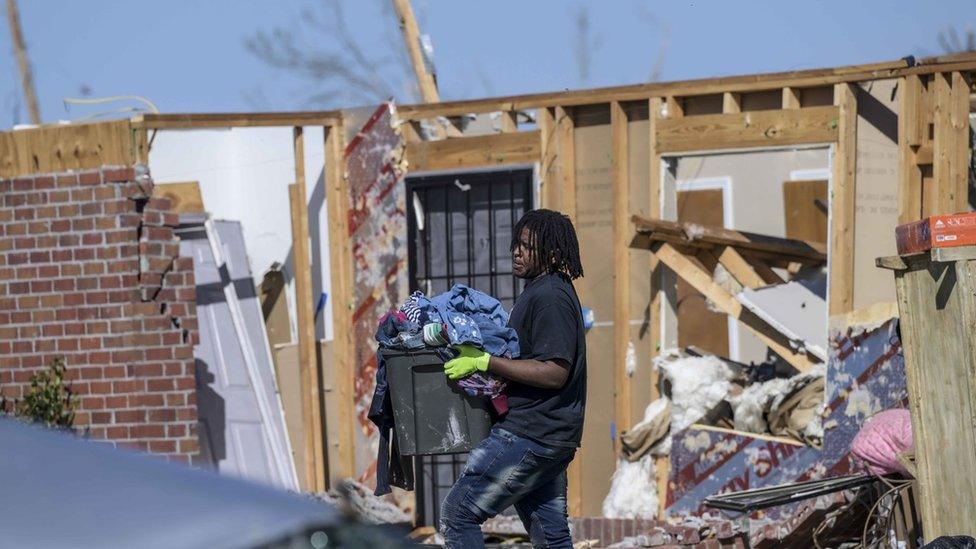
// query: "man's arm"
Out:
[546,374]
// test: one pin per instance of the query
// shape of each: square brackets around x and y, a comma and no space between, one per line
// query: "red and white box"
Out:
[938,231]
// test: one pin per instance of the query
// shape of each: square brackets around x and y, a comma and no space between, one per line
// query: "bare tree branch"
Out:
[334,62]
[950,42]
[665,42]
[586,43]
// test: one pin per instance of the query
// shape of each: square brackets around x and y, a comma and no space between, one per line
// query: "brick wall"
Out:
[90,271]
[655,533]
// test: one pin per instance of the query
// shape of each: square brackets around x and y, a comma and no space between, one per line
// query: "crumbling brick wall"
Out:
[90,271]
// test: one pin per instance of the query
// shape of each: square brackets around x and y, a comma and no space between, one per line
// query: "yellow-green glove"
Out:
[471,360]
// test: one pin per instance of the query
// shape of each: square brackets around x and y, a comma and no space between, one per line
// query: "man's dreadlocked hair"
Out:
[553,238]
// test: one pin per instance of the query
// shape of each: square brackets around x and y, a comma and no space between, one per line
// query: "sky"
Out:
[190,55]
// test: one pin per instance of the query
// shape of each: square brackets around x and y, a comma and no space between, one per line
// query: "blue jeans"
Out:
[506,469]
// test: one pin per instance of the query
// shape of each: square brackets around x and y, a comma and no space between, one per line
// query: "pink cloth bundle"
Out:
[882,437]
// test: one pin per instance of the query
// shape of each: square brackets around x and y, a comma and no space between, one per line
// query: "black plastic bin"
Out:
[433,415]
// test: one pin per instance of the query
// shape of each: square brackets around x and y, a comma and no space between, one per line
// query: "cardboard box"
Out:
[938,231]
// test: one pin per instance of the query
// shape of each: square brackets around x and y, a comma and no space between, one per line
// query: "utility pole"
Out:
[411,36]
[20,50]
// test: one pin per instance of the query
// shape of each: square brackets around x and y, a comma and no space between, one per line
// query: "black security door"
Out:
[460,230]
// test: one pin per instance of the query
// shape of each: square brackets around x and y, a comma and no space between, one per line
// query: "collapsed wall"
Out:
[90,271]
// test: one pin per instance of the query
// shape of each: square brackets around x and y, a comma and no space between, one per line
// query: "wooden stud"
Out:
[410,129]
[951,142]
[508,121]
[842,197]
[700,279]
[566,161]
[311,405]
[549,188]
[766,273]
[738,267]
[621,261]
[731,102]
[909,136]
[655,165]
[791,98]
[676,108]
[564,170]
[749,129]
[342,456]
[475,152]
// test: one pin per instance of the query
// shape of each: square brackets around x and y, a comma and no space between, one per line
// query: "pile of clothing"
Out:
[460,316]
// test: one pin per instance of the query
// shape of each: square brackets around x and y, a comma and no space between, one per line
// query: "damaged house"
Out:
[729,229]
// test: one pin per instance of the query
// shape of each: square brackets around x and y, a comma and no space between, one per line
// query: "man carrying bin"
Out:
[523,462]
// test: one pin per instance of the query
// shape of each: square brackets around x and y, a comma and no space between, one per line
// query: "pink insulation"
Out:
[882,438]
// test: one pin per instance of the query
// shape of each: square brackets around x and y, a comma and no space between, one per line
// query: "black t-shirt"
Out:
[549,323]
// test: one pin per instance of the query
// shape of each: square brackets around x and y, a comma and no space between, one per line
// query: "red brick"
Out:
[130,416]
[90,178]
[160,384]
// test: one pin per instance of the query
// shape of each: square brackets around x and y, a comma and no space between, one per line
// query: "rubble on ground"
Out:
[356,499]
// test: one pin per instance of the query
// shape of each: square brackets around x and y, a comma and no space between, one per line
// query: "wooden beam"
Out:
[791,98]
[676,108]
[909,137]
[951,142]
[411,39]
[315,473]
[184,197]
[749,129]
[690,234]
[705,86]
[475,152]
[655,165]
[191,121]
[700,279]
[842,197]
[508,121]
[731,103]
[566,160]
[738,267]
[764,271]
[549,194]
[342,441]
[23,63]
[621,265]
[565,173]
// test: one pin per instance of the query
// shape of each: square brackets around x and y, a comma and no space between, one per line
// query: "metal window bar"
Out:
[502,190]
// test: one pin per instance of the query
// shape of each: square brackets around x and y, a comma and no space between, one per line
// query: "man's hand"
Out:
[471,360]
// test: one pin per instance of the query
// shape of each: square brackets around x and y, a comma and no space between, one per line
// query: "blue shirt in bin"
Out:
[523,461]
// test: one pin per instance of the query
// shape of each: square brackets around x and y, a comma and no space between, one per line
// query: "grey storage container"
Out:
[433,415]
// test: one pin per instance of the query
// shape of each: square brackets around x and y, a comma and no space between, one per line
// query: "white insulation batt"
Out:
[751,406]
[698,383]
[633,489]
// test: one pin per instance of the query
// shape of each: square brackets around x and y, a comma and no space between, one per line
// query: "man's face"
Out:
[525,262]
